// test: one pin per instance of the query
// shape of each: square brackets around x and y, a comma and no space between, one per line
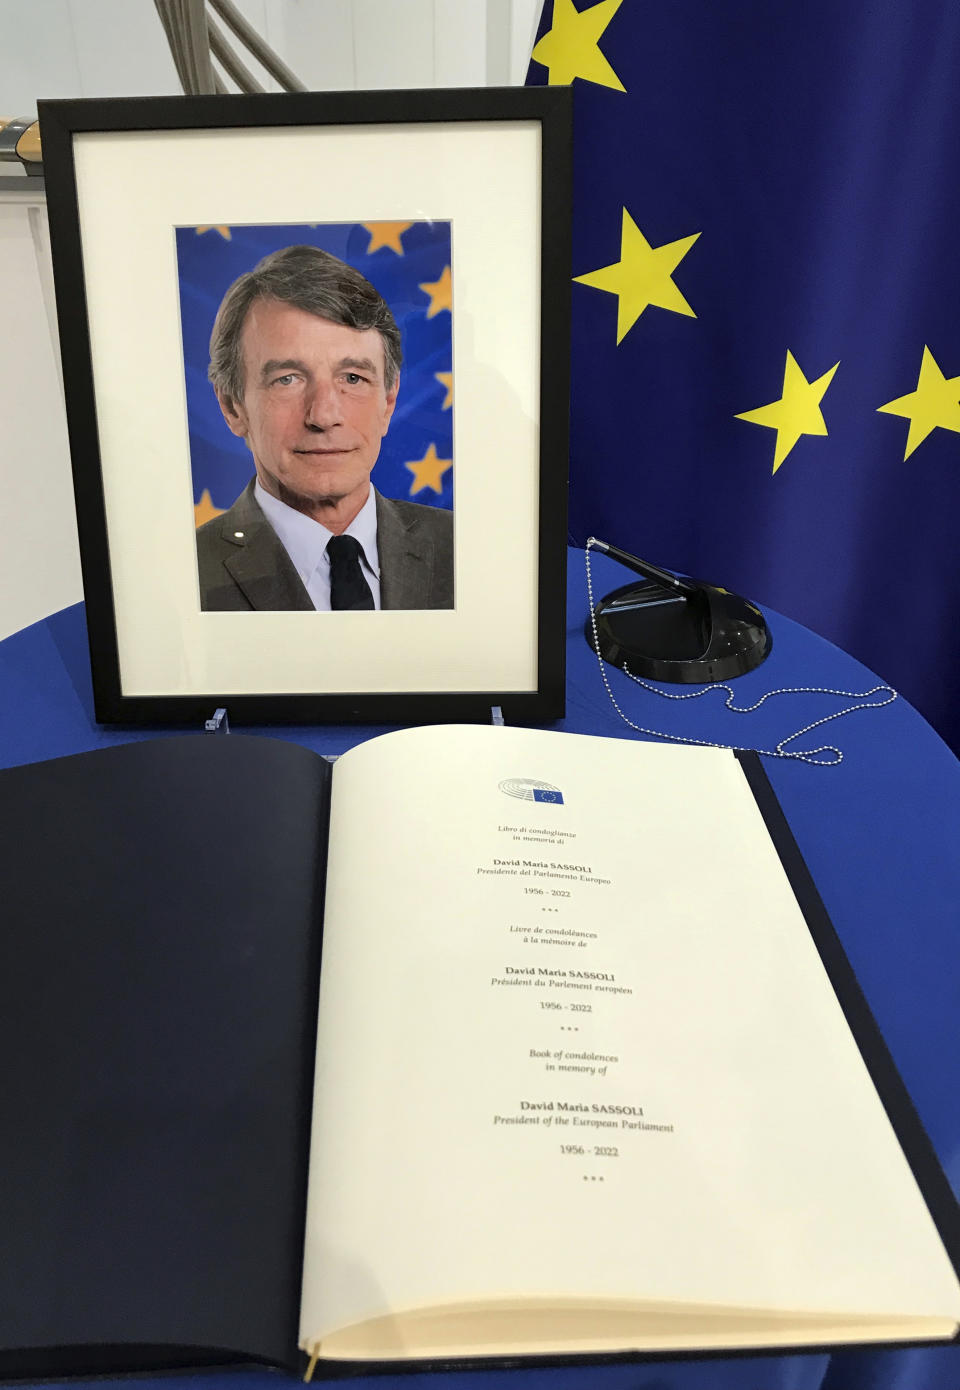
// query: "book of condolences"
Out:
[482,1043]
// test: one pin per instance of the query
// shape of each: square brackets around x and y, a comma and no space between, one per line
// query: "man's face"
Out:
[315,406]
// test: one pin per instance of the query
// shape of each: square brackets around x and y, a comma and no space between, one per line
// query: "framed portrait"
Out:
[316,358]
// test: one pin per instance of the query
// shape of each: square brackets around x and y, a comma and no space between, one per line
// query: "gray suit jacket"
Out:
[244,566]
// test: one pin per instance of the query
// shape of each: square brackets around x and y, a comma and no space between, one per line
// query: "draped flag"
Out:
[766,326]
[409,263]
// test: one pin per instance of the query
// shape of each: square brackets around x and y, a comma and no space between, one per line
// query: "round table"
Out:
[878,832]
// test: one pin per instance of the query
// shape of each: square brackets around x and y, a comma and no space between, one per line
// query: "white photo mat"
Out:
[133,189]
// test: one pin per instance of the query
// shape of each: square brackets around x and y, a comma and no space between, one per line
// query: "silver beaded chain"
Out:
[830,755]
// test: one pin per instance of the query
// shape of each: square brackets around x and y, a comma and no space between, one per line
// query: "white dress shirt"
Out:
[305,541]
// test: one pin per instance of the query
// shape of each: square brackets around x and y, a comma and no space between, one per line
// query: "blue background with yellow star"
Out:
[766,336]
[409,263]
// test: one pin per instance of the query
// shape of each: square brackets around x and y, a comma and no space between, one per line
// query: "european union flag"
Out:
[540,794]
[766,337]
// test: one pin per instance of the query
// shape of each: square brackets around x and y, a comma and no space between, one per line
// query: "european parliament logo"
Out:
[528,789]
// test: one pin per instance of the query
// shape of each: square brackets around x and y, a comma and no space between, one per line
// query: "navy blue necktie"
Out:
[348,587]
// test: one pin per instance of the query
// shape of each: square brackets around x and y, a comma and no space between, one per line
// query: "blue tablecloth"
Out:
[879,833]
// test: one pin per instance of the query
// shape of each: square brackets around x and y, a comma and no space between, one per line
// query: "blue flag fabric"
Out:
[766,336]
[409,263]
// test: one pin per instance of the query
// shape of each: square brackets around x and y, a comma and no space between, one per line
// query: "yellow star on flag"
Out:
[571,47]
[204,510]
[224,231]
[797,411]
[385,234]
[440,292]
[934,405]
[428,471]
[641,276]
[446,381]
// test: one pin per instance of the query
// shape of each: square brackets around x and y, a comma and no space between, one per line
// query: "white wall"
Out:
[85,48]
[104,48]
[39,558]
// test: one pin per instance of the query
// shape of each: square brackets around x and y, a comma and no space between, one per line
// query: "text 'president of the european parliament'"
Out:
[305,359]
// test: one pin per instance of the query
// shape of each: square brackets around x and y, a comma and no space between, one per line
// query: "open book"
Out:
[580,1084]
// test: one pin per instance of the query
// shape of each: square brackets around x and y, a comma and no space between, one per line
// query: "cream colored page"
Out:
[586,1048]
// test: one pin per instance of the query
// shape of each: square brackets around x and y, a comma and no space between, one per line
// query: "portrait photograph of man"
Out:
[321,437]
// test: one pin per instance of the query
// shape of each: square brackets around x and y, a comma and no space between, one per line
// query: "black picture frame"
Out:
[148,663]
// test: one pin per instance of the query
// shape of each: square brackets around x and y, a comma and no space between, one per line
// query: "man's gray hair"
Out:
[309,279]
